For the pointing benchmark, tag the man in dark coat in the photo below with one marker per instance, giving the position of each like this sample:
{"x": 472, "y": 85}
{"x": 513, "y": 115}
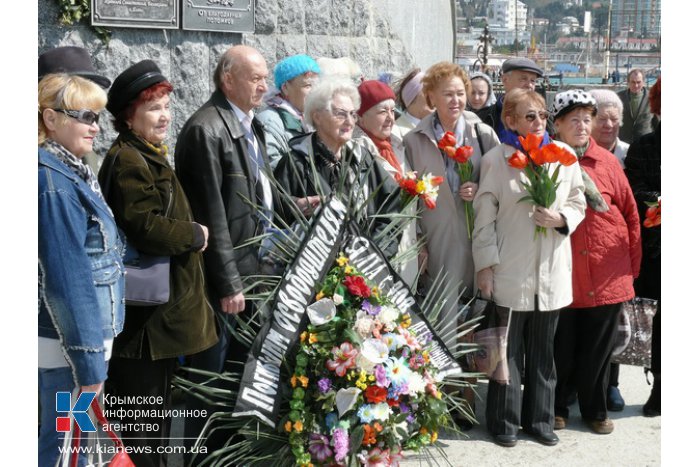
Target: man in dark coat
{"x": 519, "y": 72}
{"x": 636, "y": 118}
{"x": 222, "y": 164}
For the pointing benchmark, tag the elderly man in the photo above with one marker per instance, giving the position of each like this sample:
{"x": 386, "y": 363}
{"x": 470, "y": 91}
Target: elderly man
{"x": 607, "y": 122}
{"x": 636, "y": 116}
{"x": 283, "y": 116}
{"x": 519, "y": 72}
{"x": 223, "y": 167}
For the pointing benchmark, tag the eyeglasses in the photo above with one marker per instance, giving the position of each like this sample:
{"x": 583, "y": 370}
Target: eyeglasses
{"x": 531, "y": 116}
{"x": 85, "y": 116}
{"x": 341, "y": 114}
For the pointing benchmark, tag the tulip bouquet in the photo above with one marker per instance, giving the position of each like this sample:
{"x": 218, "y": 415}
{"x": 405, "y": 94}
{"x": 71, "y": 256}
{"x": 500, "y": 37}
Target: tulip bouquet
{"x": 653, "y": 214}
{"x": 363, "y": 388}
{"x": 461, "y": 155}
{"x": 425, "y": 187}
{"x": 535, "y": 161}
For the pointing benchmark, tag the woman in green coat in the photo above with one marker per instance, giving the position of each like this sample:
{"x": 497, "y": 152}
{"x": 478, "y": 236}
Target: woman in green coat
{"x": 151, "y": 208}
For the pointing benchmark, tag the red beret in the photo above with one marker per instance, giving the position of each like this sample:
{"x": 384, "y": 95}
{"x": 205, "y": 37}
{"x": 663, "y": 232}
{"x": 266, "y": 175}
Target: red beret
{"x": 372, "y": 92}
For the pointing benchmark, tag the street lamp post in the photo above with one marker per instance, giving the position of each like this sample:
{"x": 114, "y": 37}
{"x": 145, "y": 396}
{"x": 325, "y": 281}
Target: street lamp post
{"x": 606, "y": 60}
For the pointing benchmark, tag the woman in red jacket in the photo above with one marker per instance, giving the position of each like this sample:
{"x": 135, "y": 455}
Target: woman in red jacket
{"x": 606, "y": 250}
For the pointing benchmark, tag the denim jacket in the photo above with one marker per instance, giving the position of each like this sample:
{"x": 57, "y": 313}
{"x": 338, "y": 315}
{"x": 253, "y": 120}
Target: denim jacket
{"x": 81, "y": 275}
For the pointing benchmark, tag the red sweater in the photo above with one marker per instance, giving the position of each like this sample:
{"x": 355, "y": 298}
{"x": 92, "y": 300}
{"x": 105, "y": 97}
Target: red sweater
{"x": 606, "y": 246}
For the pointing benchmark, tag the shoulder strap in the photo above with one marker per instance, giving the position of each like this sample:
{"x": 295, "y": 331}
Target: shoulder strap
{"x": 478, "y": 137}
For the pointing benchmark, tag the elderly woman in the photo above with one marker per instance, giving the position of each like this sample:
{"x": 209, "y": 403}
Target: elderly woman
{"x": 411, "y": 99}
{"x": 606, "y": 256}
{"x": 607, "y": 123}
{"x": 328, "y": 161}
{"x": 375, "y": 125}
{"x": 644, "y": 174}
{"x": 445, "y": 86}
{"x": 532, "y": 276}
{"x": 283, "y": 115}
{"x": 151, "y": 208}
{"x": 81, "y": 276}
{"x": 481, "y": 94}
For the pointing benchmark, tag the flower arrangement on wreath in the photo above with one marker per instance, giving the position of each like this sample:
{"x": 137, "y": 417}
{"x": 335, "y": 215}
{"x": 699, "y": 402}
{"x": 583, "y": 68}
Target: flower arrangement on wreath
{"x": 652, "y": 216}
{"x": 535, "y": 161}
{"x": 364, "y": 390}
{"x": 461, "y": 155}
{"x": 425, "y": 187}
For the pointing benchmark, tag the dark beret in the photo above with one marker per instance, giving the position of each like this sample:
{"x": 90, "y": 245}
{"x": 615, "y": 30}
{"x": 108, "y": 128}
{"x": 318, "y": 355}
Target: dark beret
{"x": 129, "y": 84}
{"x": 522, "y": 63}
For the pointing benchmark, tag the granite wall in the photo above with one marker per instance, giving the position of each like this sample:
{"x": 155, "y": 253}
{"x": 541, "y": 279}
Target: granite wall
{"x": 380, "y": 35}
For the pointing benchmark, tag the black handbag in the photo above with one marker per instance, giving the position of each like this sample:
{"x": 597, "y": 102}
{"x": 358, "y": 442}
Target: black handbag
{"x": 491, "y": 336}
{"x": 147, "y": 276}
{"x": 633, "y": 340}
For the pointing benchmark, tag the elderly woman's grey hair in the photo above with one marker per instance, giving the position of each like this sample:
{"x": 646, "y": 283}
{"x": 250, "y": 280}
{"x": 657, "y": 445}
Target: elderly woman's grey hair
{"x": 607, "y": 98}
{"x": 323, "y": 93}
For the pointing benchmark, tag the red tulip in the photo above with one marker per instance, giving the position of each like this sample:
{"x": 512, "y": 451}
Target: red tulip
{"x": 518, "y": 160}
{"x": 435, "y": 181}
{"x": 429, "y": 202}
{"x": 463, "y": 154}
{"x": 538, "y": 156}
{"x": 409, "y": 185}
{"x": 450, "y": 151}
{"x": 530, "y": 142}
{"x": 447, "y": 140}
{"x": 653, "y": 216}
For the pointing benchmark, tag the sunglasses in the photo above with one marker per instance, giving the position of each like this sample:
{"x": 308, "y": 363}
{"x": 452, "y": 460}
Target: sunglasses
{"x": 85, "y": 116}
{"x": 531, "y": 116}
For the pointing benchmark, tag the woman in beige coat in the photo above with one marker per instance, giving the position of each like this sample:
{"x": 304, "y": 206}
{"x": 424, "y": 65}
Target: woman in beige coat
{"x": 531, "y": 275}
{"x": 445, "y": 230}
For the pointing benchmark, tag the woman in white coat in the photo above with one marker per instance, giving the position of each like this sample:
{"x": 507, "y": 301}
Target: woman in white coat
{"x": 530, "y": 274}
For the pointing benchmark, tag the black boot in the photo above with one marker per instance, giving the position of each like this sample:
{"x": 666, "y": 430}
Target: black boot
{"x": 652, "y": 408}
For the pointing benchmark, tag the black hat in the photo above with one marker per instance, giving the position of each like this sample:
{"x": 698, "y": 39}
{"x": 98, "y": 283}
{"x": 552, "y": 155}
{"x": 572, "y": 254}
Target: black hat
{"x": 522, "y": 63}
{"x": 130, "y": 83}
{"x": 70, "y": 60}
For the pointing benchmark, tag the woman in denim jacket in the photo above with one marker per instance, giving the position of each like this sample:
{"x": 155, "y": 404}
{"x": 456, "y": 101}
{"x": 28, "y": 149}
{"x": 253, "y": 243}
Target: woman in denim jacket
{"x": 81, "y": 276}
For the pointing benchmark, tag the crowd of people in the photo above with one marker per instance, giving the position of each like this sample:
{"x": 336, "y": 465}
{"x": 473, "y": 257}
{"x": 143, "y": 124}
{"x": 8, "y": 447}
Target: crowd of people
{"x": 254, "y": 156}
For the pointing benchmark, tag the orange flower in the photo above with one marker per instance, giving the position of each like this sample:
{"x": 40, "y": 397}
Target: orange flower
{"x": 538, "y": 156}
{"x": 555, "y": 153}
{"x": 435, "y": 181}
{"x": 531, "y": 142}
{"x": 377, "y": 427}
{"x": 653, "y": 216}
{"x": 370, "y": 435}
{"x": 518, "y": 160}
{"x": 447, "y": 140}
{"x": 288, "y": 426}
{"x": 304, "y": 381}
{"x": 298, "y": 426}
{"x": 450, "y": 151}
{"x": 463, "y": 153}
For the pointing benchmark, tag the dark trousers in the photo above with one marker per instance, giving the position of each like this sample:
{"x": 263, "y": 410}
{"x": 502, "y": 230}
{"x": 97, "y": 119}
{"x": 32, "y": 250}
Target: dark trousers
{"x": 148, "y": 380}
{"x": 228, "y": 354}
{"x": 614, "y": 379}
{"x": 531, "y": 334}
{"x": 582, "y": 350}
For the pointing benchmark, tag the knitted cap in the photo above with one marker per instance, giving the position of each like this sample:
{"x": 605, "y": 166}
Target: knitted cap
{"x": 293, "y": 66}
{"x": 566, "y": 101}
{"x": 372, "y": 92}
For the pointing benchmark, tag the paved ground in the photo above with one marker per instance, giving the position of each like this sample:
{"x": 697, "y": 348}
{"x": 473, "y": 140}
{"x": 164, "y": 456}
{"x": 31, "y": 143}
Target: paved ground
{"x": 636, "y": 441}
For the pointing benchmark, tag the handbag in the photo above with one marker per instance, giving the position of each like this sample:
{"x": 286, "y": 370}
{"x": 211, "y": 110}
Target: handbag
{"x": 491, "y": 337}
{"x": 147, "y": 276}
{"x": 93, "y": 451}
{"x": 634, "y": 329}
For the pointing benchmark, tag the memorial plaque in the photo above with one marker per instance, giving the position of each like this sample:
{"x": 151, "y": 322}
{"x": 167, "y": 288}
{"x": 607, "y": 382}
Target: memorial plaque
{"x": 219, "y": 15}
{"x": 158, "y": 14}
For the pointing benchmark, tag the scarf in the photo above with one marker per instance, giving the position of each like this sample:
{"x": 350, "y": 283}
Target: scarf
{"x": 450, "y": 165}
{"x": 510, "y": 138}
{"x": 387, "y": 153}
{"x": 593, "y": 197}
{"x": 278, "y": 101}
{"x": 160, "y": 149}
{"x": 77, "y": 166}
